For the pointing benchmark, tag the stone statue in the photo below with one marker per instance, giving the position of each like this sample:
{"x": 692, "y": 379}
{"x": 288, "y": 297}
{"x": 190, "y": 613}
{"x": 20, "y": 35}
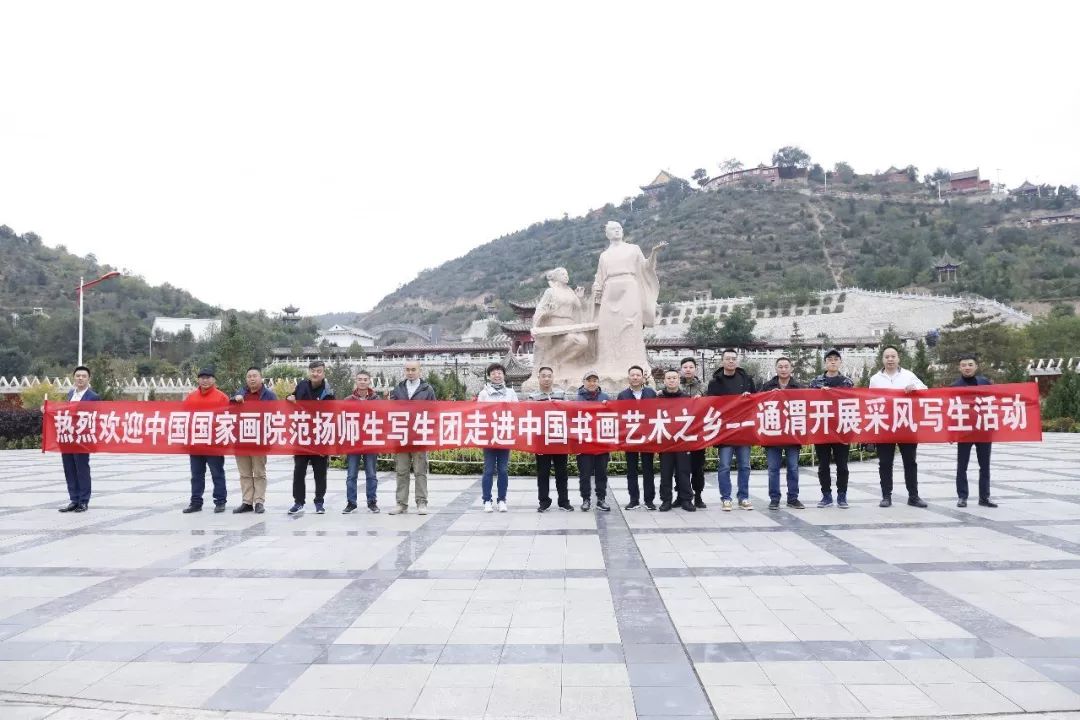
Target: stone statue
{"x": 624, "y": 295}
{"x": 563, "y": 339}
{"x": 606, "y": 335}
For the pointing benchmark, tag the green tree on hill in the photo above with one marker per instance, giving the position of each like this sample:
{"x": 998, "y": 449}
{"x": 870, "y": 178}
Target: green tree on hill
{"x": 791, "y": 156}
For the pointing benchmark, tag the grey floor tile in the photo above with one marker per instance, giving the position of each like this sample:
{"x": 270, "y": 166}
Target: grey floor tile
{"x": 780, "y": 651}
{"x": 840, "y": 650}
{"x": 176, "y": 652}
{"x": 531, "y": 654}
{"x": 597, "y": 653}
{"x": 353, "y": 654}
{"x": 719, "y": 652}
{"x": 965, "y": 648}
{"x": 288, "y": 654}
{"x": 234, "y": 652}
{"x": 661, "y": 701}
{"x": 118, "y": 651}
{"x": 1058, "y": 669}
{"x": 662, "y": 675}
{"x": 654, "y": 653}
{"x": 410, "y": 654}
{"x": 903, "y": 650}
{"x": 471, "y": 655}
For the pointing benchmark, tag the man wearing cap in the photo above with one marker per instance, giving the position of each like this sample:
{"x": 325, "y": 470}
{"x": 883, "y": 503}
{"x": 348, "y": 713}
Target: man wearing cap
{"x": 832, "y": 452}
{"x": 692, "y": 386}
{"x": 314, "y": 388}
{"x": 77, "y": 465}
{"x": 206, "y": 397}
{"x": 252, "y": 468}
{"x": 590, "y": 466}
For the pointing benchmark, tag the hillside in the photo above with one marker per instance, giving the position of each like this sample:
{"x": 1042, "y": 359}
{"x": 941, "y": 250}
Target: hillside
{"x": 119, "y": 313}
{"x": 769, "y": 243}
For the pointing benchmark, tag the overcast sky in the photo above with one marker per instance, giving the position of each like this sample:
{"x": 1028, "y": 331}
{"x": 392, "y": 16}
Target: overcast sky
{"x": 262, "y": 153}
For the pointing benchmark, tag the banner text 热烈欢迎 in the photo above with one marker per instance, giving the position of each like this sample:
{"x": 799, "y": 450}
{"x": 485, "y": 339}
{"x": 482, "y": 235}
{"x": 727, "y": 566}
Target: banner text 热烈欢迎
{"x": 999, "y": 413}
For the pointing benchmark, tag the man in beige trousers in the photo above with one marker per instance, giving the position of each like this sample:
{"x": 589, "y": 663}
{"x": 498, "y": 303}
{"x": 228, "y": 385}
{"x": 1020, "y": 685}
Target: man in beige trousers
{"x": 411, "y": 388}
{"x": 252, "y": 468}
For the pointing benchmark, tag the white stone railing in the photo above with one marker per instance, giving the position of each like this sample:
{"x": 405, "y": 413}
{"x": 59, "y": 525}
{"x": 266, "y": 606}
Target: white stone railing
{"x": 1053, "y": 366}
{"x": 130, "y": 386}
{"x": 694, "y": 305}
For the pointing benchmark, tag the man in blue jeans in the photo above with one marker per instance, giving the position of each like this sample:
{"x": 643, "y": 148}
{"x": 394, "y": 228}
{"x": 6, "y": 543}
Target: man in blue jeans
{"x": 206, "y": 397}
{"x": 362, "y": 392}
{"x": 496, "y": 460}
{"x": 783, "y": 454}
{"x": 730, "y": 379}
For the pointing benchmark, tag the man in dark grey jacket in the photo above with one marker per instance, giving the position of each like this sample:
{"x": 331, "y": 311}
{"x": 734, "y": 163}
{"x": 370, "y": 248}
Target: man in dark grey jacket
{"x": 411, "y": 388}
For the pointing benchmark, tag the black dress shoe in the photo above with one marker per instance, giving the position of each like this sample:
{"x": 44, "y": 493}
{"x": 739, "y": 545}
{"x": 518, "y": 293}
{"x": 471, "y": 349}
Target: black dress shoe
{"x": 688, "y": 506}
{"x": 796, "y": 503}
{"x": 192, "y": 508}
{"x": 699, "y": 503}
{"x": 602, "y": 505}
{"x": 987, "y": 502}
{"x": 242, "y": 508}
{"x": 260, "y": 508}
{"x": 962, "y": 502}
{"x": 885, "y": 502}
{"x": 219, "y": 508}
{"x": 83, "y": 508}
{"x": 916, "y": 502}
{"x": 69, "y": 507}
{"x": 665, "y": 506}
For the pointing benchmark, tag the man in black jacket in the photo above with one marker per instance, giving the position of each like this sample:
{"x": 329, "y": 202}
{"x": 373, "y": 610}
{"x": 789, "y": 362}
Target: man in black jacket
{"x": 634, "y": 460}
{"x": 828, "y": 453}
{"x": 788, "y": 455}
{"x": 969, "y": 377}
{"x": 411, "y": 388}
{"x": 314, "y": 388}
{"x": 692, "y": 386}
{"x": 674, "y": 465}
{"x": 730, "y": 379}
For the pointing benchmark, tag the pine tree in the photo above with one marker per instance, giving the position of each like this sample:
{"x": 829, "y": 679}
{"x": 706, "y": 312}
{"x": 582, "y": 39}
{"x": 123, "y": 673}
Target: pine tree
{"x": 800, "y": 354}
{"x": 233, "y": 352}
{"x": 921, "y": 365}
{"x": 1064, "y": 397}
{"x": 891, "y": 337}
{"x": 864, "y": 379}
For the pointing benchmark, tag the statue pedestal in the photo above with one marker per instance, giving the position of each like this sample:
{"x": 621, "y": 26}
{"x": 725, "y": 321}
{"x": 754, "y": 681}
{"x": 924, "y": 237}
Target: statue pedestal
{"x": 568, "y": 371}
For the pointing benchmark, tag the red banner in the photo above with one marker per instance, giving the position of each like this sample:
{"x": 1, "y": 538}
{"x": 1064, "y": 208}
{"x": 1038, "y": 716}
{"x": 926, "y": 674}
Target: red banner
{"x": 998, "y": 413}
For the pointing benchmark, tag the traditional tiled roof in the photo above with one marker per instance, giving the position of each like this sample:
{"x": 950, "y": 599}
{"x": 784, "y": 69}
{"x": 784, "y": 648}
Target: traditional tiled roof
{"x": 515, "y": 327}
{"x": 946, "y": 260}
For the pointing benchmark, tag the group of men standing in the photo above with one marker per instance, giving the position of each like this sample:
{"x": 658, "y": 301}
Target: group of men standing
{"x": 682, "y": 473}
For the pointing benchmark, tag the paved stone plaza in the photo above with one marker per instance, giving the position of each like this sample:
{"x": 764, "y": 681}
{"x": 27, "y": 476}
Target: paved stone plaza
{"x": 814, "y": 613}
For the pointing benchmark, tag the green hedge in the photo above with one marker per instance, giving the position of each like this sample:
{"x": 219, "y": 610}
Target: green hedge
{"x": 1061, "y": 424}
{"x": 470, "y": 461}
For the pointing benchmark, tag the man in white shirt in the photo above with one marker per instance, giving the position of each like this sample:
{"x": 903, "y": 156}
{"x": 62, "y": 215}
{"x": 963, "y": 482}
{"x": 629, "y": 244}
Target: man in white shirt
{"x": 895, "y": 377}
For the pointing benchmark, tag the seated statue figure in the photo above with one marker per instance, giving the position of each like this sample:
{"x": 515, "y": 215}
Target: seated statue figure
{"x": 563, "y": 337}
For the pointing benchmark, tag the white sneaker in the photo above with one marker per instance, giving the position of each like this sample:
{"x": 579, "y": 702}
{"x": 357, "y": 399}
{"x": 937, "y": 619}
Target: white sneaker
{"x": 487, "y": 507}
{"x": 421, "y": 508}
{"x": 502, "y": 506}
